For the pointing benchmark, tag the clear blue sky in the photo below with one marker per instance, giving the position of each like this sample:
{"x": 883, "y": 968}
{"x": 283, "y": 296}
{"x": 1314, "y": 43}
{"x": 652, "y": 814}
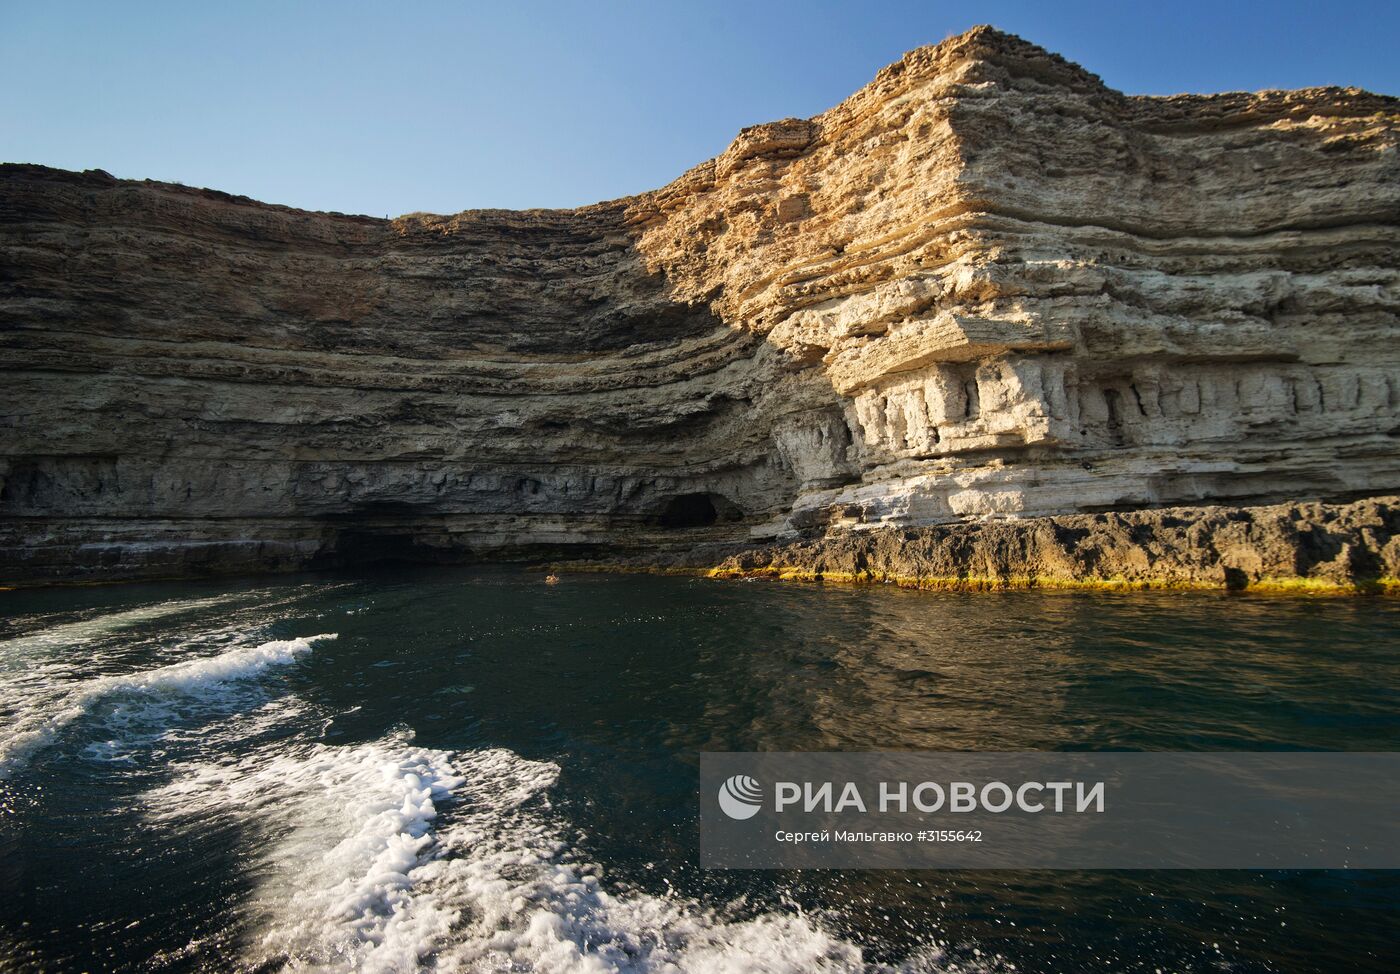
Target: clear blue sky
{"x": 393, "y": 107}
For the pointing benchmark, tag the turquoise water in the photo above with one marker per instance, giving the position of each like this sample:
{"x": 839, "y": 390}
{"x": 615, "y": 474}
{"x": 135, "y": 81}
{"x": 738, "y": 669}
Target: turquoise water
{"x": 482, "y": 772}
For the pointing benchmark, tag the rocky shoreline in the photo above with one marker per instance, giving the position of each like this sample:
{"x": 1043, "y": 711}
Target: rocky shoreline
{"x": 1307, "y": 548}
{"x": 1310, "y": 548}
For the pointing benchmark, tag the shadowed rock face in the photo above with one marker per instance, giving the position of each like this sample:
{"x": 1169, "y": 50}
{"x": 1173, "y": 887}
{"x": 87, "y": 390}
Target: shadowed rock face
{"x": 196, "y": 382}
{"x": 984, "y": 285}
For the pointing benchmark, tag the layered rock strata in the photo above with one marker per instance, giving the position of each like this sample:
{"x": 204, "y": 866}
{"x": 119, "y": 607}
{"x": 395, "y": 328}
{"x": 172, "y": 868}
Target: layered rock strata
{"x": 985, "y": 287}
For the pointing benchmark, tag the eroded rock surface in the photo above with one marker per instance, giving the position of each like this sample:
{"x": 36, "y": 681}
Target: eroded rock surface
{"x": 985, "y": 286}
{"x": 1289, "y": 547}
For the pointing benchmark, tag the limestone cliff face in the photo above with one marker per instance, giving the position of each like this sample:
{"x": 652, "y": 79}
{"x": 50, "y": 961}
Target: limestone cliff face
{"x": 984, "y": 285}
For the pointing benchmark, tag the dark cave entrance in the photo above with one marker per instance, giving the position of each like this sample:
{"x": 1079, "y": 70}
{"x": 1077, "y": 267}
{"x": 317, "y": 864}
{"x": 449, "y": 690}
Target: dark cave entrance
{"x": 689, "y": 511}
{"x": 386, "y": 545}
{"x": 696, "y": 511}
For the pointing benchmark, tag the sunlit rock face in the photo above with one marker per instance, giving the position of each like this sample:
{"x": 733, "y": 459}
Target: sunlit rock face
{"x": 984, "y": 285}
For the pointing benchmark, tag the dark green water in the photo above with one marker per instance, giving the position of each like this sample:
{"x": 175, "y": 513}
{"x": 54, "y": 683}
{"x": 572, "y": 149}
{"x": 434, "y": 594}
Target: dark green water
{"x": 481, "y": 772}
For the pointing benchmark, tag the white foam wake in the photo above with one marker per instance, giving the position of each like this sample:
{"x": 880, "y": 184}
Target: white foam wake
{"x": 387, "y": 857}
{"x": 69, "y": 635}
{"x": 51, "y": 706}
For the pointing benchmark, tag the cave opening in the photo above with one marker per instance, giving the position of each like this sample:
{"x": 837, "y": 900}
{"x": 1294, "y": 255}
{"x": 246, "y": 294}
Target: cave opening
{"x": 689, "y": 511}
{"x": 383, "y": 546}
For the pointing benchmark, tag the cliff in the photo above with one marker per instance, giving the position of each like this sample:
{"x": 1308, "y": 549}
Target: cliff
{"x": 985, "y": 287}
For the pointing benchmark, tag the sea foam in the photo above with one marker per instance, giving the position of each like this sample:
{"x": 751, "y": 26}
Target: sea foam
{"x": 44, "y": 708}
{"x": 389, "y": 857}
{"x": 81, "y": 632}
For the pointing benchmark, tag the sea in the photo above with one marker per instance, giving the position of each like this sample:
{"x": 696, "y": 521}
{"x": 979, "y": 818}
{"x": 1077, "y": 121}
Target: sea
{"x": 467, "y": 769}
